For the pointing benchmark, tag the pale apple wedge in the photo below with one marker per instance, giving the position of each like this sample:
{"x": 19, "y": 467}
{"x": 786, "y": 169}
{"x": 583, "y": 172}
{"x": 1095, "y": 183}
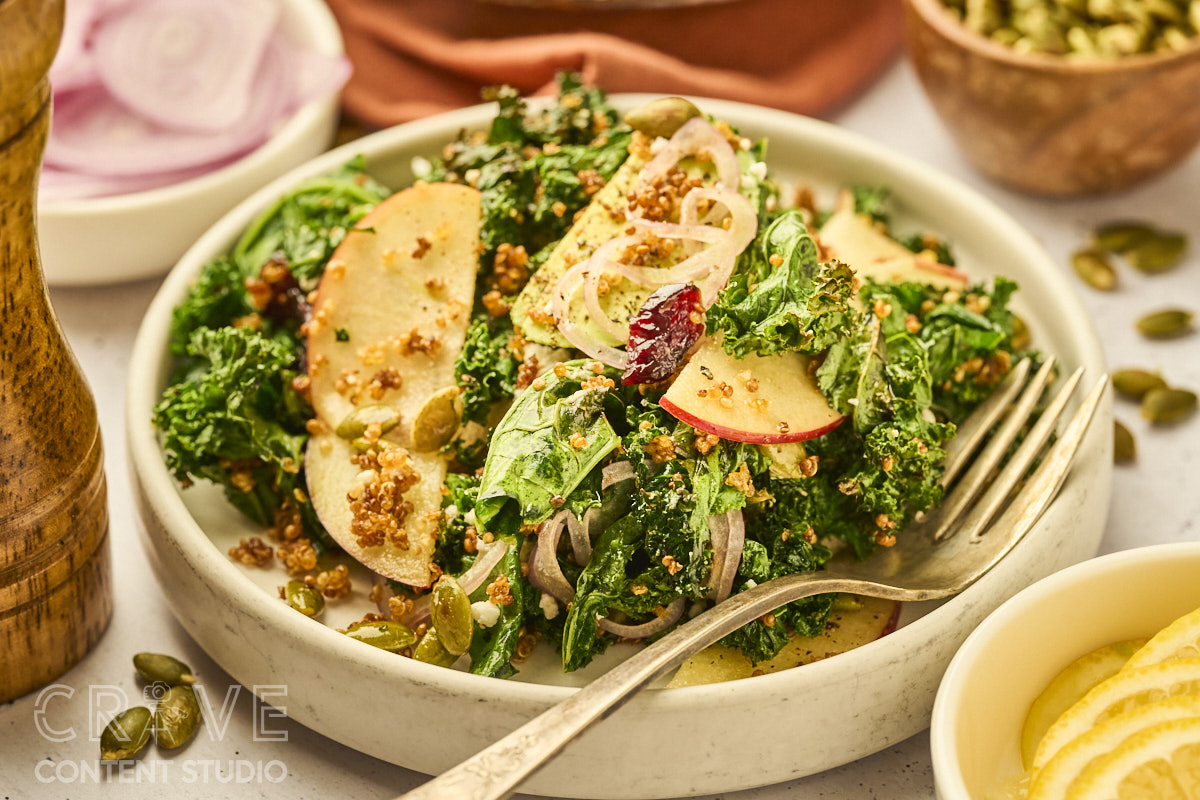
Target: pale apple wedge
{"x": 852, "y": 239}
{"x": 389, "y": 319}
{"x": 713, "y": 393}
{"x": 864, "y": 620}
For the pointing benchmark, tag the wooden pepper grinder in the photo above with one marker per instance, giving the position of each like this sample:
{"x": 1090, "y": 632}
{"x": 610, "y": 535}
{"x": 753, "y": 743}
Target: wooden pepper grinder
{"x": 55, "y": 589}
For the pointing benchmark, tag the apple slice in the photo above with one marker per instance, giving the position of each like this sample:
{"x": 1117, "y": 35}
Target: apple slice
{"x": 390, "y": 317}
{"x": 852, "y": 239}
{"x": 867, "y": 619}
{"x": 785, "y": 406}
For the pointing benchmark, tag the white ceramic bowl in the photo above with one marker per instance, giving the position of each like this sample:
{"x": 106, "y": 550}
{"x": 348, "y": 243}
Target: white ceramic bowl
{"x": 665, "y": 743}
{"x": 1010, "y": 658}
{"x": 99, "y": 240}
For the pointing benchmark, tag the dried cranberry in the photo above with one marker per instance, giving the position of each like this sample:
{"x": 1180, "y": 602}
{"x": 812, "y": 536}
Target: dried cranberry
{"x": 661, "y": 334}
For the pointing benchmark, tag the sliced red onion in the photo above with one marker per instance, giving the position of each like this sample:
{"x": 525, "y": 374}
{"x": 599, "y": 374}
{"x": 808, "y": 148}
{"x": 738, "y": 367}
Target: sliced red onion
{"x": 420, "y": 613}
{"x": 544, "y": 570}
{"x": 669, "y": 617}
{"x": 615, "y": 473}
{"x": 73, "y": 64}
{"x": 728, "y": 533}
{"x": 485, "y": 562}
{"x": 58, "y": 184}
{"x": 709, "y": 234}
{"x": 695, "y": 136}
{"x": 581, "y": 544}
{"x": 591, "y": 300}
{"x": 564, "y": 290}
{"x": 95, "y": 134}
{"x": 186, "y": 64}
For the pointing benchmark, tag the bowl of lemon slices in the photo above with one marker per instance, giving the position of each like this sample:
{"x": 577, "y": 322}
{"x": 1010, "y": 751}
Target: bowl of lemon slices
{"x": 1085, "y": 686}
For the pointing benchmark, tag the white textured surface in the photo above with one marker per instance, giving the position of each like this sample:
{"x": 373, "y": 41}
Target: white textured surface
{"x": 1154, "y": 501}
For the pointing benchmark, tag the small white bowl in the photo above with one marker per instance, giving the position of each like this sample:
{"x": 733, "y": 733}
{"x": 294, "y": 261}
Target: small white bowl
{"x": 1009, "y": 659}
{"x": 99, "y": 240}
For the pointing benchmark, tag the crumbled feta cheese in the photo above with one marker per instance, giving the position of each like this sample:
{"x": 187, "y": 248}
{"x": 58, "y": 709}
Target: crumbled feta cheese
{"x": 451, "y": 512}
{"x": 751, "y": 583}
{"x": 549, "y": 606}
{"x": 469, "y": 518}
{"x": 745, "y": 144}
{"x": 747, "y": 182}
{"x": 759, "y": 170}
{"x": 421, "y": 167}
{"x": 485, "y": 613}
{"x": 658, "y": 144}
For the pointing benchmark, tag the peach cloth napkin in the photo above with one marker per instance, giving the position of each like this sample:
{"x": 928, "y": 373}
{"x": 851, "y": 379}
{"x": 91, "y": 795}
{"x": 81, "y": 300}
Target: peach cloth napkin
{"x": 413, "y": 58}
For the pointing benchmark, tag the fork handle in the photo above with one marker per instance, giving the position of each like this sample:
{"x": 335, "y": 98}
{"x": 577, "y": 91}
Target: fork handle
{"x": 495, "y": 772}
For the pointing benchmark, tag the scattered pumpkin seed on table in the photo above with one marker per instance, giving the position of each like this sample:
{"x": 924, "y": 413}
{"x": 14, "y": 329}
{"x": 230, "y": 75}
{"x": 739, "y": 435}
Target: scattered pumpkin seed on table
{"x": 1094, "y": 269}
{"x": 176, "y": 717}
{"x": 1118, "y": 237}
{"x": 1124, "y": 446}
{"x": 1165, "y": 406}
{"x": 126, "y": 734}
{"x": 159, "y": 668}
{"x": 1166, "y": 324}
{"x": 1160, "y": 253}
{"x": 1134, "y": 383}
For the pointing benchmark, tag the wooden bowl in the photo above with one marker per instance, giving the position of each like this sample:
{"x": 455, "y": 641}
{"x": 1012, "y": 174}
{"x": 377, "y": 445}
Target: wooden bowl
{"x": 1050, "y": 125}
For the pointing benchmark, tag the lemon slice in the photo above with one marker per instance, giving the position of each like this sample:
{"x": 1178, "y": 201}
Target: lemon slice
{"x": 1068, "y": 687}
{"x": 1161, "y": 762}
{"x": 1125, "y": 691}
{"x": 1180, "y": 639}
{"x": 1054, "y": 779}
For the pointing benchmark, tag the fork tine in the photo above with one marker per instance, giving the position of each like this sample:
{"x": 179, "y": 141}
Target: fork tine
{"x": 1032, "y": 500}
{"x": 972, "y": 483}
{"x": 970, "y": 434}
{"x": 1017, "y": 467}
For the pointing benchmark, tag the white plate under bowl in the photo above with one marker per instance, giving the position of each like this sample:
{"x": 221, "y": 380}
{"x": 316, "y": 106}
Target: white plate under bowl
{"x": 1009, "y": 659}
{"x": 99, "y": 240}
{"x": 665, "y": 743}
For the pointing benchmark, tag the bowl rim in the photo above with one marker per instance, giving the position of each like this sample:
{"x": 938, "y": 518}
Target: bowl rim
{"x": 321, "y": 26}
{"x": 935, "y": 14}
{"x": 149, "y": 356}
{"x": 943, "y": 742}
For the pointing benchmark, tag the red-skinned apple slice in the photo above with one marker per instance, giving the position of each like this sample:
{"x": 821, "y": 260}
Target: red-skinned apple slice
{"x": 852, "y": 239}
{"x": 785, "y": 406}
{"x": 389, "y": 319}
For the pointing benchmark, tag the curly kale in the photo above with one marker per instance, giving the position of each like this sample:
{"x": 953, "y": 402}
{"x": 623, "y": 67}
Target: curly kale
{"x": 533, "y": 167}
{"x": 782, "y": 299}
{"x": 486, "y": 369}
{"x": 235, "y": 420}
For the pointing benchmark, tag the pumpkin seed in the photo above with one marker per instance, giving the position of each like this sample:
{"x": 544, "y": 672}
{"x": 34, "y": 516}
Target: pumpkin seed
{"x": 1159, "y": 253}
{"x": 126, "y": 734}
{"x": 1166, "y": 324}
{"x": 390, "y": 636}
{"x": 1118, "y": 237}
{"x": 305, "y": 599}
{"x": 159, "y": 668}
{"x": 437, "y": 421}
{"x": 363, "y": 445}
{"x": 176, "y": 717}
{"x": 1124, "y": 446}
{"x": 1093, "y": 268}
{"x": 662, "y": 117}
{"x": 1021, "y": 337}
{"x": 1164, "y": 406}
{"x": 431, "y": 651}
{"x": 450, "y": 614}
{"x": 356, "y": 422}
{"x": 1135, "y": 383}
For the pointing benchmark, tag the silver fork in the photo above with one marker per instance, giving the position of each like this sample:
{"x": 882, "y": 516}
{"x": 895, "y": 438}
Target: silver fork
{"x": 925, "y": 564}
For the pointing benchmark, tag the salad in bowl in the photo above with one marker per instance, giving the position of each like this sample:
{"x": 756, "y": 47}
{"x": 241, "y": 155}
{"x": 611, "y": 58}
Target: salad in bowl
{"x": 584, "y": 378}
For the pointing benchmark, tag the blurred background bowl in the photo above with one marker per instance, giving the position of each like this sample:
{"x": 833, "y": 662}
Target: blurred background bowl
{"x": 142, "y": 234}
{"x": 1009, "y": 659}
{"x": 1050, "y": 125}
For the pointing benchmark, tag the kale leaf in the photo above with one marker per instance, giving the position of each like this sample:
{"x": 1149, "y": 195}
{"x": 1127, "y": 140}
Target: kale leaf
{"x": 547, "y": 443}
{"x": 492, "y": 648}
{"x": 486, "y": 370}
{"x": 235, "y": 420}
{"x": 782, "y": 299}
